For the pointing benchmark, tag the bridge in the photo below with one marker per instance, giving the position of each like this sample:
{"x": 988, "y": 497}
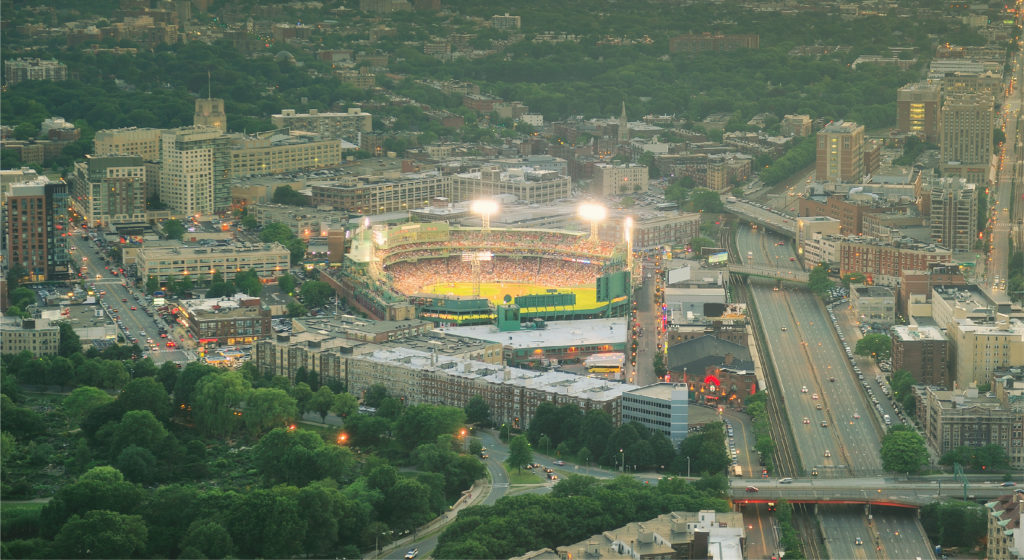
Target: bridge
{"x": 868, "y": 491}
{"x": 762, "y": 215}
{"x": 768, "y": 272}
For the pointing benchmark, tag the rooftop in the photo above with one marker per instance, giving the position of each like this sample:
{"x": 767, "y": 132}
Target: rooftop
{"x": 557, "y": 334}
{"x": 912, "y": 333}
{"x": 661, "y": 391}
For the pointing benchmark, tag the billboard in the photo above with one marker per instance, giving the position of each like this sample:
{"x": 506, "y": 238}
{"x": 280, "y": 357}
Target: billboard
{"x": 718, "y": 258}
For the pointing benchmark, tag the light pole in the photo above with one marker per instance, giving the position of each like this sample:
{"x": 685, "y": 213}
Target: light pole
{"x": 628, "y": 231}
{"x": 687, "y": 467}
{"x": 623, "y": 452}
{"x": 595, "y": 214}
{"x": 485, "y": 208}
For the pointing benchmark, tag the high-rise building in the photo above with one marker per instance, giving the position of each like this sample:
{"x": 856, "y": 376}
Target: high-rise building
{"x": 965, "y": 136}
{"x": 840, "y": 154}
{"x": 195, "y": 164}
{"x": 142, "y": 142}
{"x": 24, "y": 69}
{"x": 917, "y": 110}
{"x": 109, "y": 189}
{"x": 954, "y": 214}
{"x": 37, "y": 230}
{"x": 924, "y": 352}
{"x": 210, "y": 112}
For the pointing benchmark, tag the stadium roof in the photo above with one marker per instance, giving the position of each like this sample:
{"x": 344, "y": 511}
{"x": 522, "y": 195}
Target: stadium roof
{"x": 584, "y": 332}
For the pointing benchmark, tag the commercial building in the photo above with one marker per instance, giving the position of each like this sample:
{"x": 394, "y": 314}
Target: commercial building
{"x": 305, "y": 222}
{"x": 142, "y": 142}
{"x": 917, "y": 110}
{"x": 984, "y": 347}
{"x": 810, "y": 227}
{"x": 875, "y": 305}
{"x": 38, "y": 336}
{"x": 379, "y": 195}
{"x": 25, "y": 69}
{"x": 348, "y": 125}
{"x": 1005, "y": 527}
{"x": 612, "y": 180}
{"x": 653, "y": 229}
{"x": 954, "y": 214}
{"x": 276, "y": 152}
{"x": 109, "y": 190}
{"x": 950, "y": 419}
{"x": 238, "y": 319}
{"x": 884, "y": 262}
{"x": 270, "y": 260}
{"x": 680, "y": 534}
{"x": 661, "y": 407}
{"x": 923, "y": 351}
{"x": 840, "y": 153}
{"x": 529, "y": 185}
{"x": 965, "y": 136}
{"x": 194, "y": 167}
{"x": 37, "y": 230}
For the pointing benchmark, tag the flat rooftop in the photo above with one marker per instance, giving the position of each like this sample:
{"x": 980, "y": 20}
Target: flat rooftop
{"x": 585, "y": 332}
{"x": 911, "y": 333}
{"x": 662, "y": 391}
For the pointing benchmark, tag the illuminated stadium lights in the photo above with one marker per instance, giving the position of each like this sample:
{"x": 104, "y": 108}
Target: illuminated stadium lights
{"x": 595, "y": 214}
{"x": 485, "y": 208}
{"x": 627, "y": 230}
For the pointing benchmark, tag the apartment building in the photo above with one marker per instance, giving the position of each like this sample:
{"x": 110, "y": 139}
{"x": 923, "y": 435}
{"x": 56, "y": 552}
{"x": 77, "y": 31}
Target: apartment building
{"x": 142, "y": 142}
{"x": 884, "y": 262}
{"x": 506, "y": 22}
{"x": 270, "y": 260}
{"x": 38, "y": 336}
{"x": 276, "y": 152}
{"x": 533, "y": 186}
{"x": 950, "y": 419}
{"x": 348, "y": 125}
{"x": 193, "y": 165}
{"x": 25, "y": 69}
{"x": 984, "y": 347}
{"x": 917, "y": 110}
{"x": 379, "y": 195}
{"x": 954, "y": 214}
{"x": 924, "y": 351}
{"x": 613, "y": 180}
{"x": 36, "y": 229}
{"x": 965, "y": 136}
{"x": 699, "y": 42}
{"x": 109, "y": 190}
{"x": 840, "y": 153}
{"x": 1005, "y": 527}
{"x": 796, "y": 125}
{"x": 850, "y": 213}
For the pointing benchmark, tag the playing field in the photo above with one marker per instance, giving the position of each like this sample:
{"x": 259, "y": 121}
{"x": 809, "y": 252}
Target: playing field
{"x": 586, "y": 298}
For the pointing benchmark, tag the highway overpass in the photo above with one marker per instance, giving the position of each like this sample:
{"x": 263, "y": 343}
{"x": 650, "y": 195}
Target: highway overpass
{"x": 860, "y": 490}
{"x": 788, "y": 275}
{"x": 762, "y": 215}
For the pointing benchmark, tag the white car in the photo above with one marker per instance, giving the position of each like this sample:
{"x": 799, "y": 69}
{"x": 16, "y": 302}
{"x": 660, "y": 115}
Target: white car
{"x": 803, "y": 389}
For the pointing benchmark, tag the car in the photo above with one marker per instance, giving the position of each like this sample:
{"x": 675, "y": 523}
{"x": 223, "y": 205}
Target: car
{"x": 824, "y": 423}
{"x": 792, "y": 259}
{"x": 828, "y": 453}
{"x": 1008, "y": 484}
{"x": 803, "y": 389}
{"x": 832, "y": 379}
{"x": 814, "y": 472}
{"x": 752, "y": 489}
{"x": 124, "y": 299}
{"x": 483, "y": 455}
{"x": 786, "y": 480}
{"x": 807, "y": 420}
{"x": 858, "y": 541}
{"x": 134, "y": 308}
{"x": 856, "y": 416}
{"x": 560, "y": 463}
{"x": 814, "y": 396}
{"x": 412, "y": 553}
{"x": 548, "y": 470}
{"x": 784, "y": 329}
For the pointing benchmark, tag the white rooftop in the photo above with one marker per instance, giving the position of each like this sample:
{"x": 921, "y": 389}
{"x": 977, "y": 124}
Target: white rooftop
{"x": 557, "y": 333}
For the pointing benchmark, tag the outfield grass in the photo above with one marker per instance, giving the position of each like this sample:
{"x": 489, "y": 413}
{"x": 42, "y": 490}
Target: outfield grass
{"x": 586, "y": 297}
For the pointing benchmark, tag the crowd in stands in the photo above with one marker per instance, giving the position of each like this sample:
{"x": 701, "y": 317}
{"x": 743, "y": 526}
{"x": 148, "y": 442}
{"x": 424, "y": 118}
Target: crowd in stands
{"x": 503, "y": 242}
{"x": 411, "y": 277}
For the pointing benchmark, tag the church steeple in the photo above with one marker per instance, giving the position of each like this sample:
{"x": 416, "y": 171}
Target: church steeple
{"x": 623, "y": 125}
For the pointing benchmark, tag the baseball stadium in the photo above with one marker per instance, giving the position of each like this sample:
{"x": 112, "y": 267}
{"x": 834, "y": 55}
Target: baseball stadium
{"x": 457, "y": 276}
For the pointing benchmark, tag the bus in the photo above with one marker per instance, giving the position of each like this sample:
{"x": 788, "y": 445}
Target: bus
{"x": 737, "y": 471}
{"x": 610, "y": 362}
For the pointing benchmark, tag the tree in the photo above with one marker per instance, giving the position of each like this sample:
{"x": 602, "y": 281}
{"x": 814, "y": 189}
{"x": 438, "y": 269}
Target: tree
{"x": 208, "y": 539}
{"x": 146, "y": 393}
{"x": 82, "y": 401}
{"x": 374, "y": 395}
{"x": 248, "y": 282}
{"x": 69, "y": 342}
{"x": 268, "y": 408}
{"x": 818, "y": 280}
{"x": 287, "y": 195}
{"x": 22, "y": 297}
{"x": 478, "y": 411}
{"x": 901, "y": 383}
{"x": 152, "y": 284}
{"x": 218, "y": 398}
{"x": 302, "y": 393}
{"x": 322, "y": 401}
{"x": 853, "y": 278}
{"x": 102, "y": 534}
{"x": 137, "y": 427}
{"x": 99, "y": 488}
{"x": 173, "y": 229}
{"x": 704, "y": 200}
{"x": 698, "y": 243}
{"x": 296, "y": 309}
{"x": 287, "y": 283}
{"x": 954, "y": 523}
{"x": 903, "y": 451}
{"x": 345, "y": 405}
{"x": 519, "y": 453}
{"x": 876, "y": 345}
{"x": 316, "y": 293}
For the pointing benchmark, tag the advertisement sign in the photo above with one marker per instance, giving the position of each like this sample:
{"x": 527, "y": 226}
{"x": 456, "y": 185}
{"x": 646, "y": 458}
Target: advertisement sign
{"x": 718, "y": 258}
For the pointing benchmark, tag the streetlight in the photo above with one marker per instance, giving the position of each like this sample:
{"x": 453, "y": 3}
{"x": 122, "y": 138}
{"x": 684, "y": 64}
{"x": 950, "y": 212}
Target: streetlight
{"x": 687, "y": 467}
{"x": 595, "y": 214}
{"x": 623, "y": 451}
{"x": 627, "y": 230}
{"x": 485, "y": 208}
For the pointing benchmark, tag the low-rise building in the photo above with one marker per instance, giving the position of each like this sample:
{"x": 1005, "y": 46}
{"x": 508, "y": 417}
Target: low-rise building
{"x": 380, "y": 195}
{"x": 25, "y": 69}
{"x": 796, "y": 125}
{"x": 924, "y": 352}
{"x": 348, "y": 125}
{"x": 662, "y": 407}
{"x": 884, "y": 262}
{"x": 809, "y": 227}
{"x": 1005, "y": 527}
{"x": 984, "y": 347}
{"x": 304, "y": 222}
{"x": 951, "y": 419}
{"x": 276, "y": 153}
{"x": 875, "y": 305}
{"x": 529, "y": 185}
{"x": 269, "y": 260}
{"x": 38, "y": 336}
{"x": 235, "y": 320}
{"x": 613, "y": 180}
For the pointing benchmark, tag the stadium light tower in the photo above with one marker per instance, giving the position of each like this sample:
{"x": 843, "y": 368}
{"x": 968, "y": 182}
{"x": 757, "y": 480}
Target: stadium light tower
{"x": 595, "y": 214}
{"x": 627, "y": 230}
{"x": 485, "y": 208}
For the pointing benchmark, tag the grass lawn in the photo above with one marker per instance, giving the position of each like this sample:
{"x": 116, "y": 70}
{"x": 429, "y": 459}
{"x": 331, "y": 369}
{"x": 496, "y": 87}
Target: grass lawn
{"x": 11, "y": 509}
{"x": 524, "y": 477}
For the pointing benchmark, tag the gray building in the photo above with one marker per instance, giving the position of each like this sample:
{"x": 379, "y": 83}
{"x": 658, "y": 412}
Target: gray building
{"x": 874, "y": 304}
{"x": 662, "y": 407}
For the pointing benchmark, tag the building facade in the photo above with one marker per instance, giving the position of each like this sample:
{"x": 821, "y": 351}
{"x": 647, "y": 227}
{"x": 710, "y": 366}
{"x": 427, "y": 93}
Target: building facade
{"x": 951, "y": 419}
{"x": 796, "y": 125}
{"x": 269, "y": 260}
{"x": 712, "y": 42}
{"x": 25, "y": 69}
{"x": 840, "y": 153}
{"x": 965, "y": 136}
{"x": 884, "y": 262}
{"x": 613, "y": 180}
{"x": 917, "y": 110}
{"x": 875, "y": 305}
{"x": 279, "y": 153}
{"x": 1005, "y": 527}
{"x": 305, "y": 222}
{"x": 142, "y": 142}
{"x": 210, "y": 112}
{"x": 235, "y": 320}
{"x": 954, "y": 214}
{"x": 662, "y": 407}
{"x": 37, "y": 229}
{"x": 984, "y": 347}
{"x": 38, "y": 336}
{"x": 924, "y": 352}
{"x": 195, "y": 165}
{"x": 349, "y": 124}
{"x": 528, "y": 185}
{"x": 376, "y": 195}
{"x": 108, "y": 190}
